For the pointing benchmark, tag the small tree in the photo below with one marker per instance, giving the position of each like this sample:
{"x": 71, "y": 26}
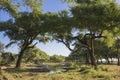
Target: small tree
{"x": 7, "y": 58}
{"x": 57, "y": 58}
{"x": 35, "y": 54}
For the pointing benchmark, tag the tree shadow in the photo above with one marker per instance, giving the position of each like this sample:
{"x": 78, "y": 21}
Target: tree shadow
{"x": 14, "y": 70}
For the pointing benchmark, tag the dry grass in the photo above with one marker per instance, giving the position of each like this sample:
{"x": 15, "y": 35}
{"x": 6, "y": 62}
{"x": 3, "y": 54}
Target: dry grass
{"x": 104, "y": 72}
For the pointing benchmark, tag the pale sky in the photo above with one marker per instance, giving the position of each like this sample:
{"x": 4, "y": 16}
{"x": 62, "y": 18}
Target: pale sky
{"x": 50, "y": 48}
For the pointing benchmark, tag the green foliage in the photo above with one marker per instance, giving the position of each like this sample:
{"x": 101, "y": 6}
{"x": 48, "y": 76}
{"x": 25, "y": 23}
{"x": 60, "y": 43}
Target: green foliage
{"x": 35, "y": 5}
{"x": 89, "y": 73}
{"x": 57, "y": 58}
{"x": 8, "y": 6}
{"x": 77, "y": 56}
{"x": 110, "y": 38}
{"x": 99, "y": 15}
{"x": 7, "y": 58}
{"x": 35, "y": 54}
{"x": 1, "y": 47}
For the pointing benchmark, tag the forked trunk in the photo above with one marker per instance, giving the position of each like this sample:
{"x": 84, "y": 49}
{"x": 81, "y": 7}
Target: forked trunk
{"x": 91, "y": 51}
{"x": 92, "y": 58}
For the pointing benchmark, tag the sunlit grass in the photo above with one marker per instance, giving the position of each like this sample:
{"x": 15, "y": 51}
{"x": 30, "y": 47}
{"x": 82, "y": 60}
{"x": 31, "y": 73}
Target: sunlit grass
{"x": 103, "y": 72}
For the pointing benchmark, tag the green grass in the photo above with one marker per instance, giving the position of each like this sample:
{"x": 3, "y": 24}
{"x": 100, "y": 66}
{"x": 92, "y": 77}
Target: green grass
{"x": 103, "y": 72}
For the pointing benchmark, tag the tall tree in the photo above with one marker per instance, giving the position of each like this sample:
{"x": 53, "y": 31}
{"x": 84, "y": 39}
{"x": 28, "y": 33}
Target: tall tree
{"x": 25, "y": 28}
{"x": 24, "y": 31}
{"x": 88, "y": 20}
{"x": 95, "y": 17}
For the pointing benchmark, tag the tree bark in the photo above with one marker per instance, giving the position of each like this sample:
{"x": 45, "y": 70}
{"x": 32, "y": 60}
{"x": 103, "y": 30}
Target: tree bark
{"x": 111, "y": 60}
{"x": 18, "y": 63}
{"x": 91, "y": 51}
{"x": 108, "y": 62}
{"x": 118, "y": 61}
{"x": 19, "y": 60}
{"x": 92, "y": 58}
{"x": 118, "y": 56}
{"x": 101, "y": 61}
{"x": 97, "y": 61}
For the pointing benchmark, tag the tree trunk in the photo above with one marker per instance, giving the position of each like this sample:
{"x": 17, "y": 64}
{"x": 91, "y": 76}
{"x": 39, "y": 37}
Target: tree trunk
{"x": 101, "y": 61}
{"x": 118, "y": 57}
{"x": 92, "y": 58}
{"x": 18, "y": 63}
{"x": 111, "y": 60}
{"x": 118, "y": 61}
{"x": 91, "y": 51}
{"x": 107, "y": 59}
{"x": 97, "y": 61}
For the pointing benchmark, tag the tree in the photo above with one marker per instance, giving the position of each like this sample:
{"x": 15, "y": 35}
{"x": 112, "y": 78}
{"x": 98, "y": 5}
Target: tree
{"x": 35, "y": 54}
{"x": 93, "y": 17}
{"x": 80, "y": 55}
{"x": 26, "y": 28}
{"x": 89, "y": 20}
{"x": 57, "y": 58}
{"x": 102, "y": 51}
{"x": 24, "y": 31}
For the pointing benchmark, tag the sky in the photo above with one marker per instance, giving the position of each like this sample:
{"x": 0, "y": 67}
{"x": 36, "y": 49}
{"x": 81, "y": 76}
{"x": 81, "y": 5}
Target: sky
{"x": 50, "y": 48}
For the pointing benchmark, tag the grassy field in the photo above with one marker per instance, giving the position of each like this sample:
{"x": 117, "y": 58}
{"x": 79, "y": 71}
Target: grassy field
{"x": 103, "y": 72}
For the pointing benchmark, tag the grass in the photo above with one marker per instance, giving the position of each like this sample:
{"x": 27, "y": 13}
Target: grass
{"x": 104, "y": 72}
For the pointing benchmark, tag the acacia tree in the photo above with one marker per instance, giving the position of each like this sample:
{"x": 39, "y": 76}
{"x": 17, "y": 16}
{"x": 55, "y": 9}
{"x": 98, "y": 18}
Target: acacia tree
{"x": 95, "y": 17}
{"x": 89, "y": 20}
{"x": 26, "y": 28}
{"x": 24, "y": 31}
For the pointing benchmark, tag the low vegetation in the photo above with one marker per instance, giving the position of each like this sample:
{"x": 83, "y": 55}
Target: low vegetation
{"x": 104, "y": 72}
